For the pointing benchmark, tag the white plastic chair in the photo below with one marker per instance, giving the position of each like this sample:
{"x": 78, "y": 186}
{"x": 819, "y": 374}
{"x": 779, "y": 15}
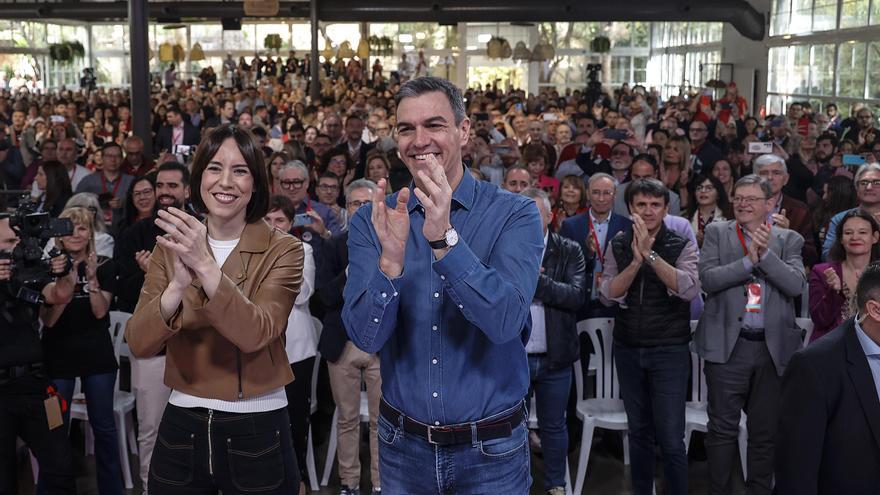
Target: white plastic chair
{"x": 123, "y": 406}
{"x": 697, "y": 419}
{"x": 606, "y": 410}
{"x": 806, "y": 324}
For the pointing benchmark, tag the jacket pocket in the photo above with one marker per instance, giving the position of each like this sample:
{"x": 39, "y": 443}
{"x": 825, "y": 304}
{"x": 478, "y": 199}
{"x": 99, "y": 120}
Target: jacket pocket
{"x": 256, "y": 463}
{"x": 172, "y": 462}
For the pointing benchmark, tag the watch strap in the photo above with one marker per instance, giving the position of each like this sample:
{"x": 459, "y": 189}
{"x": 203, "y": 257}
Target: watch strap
{"x": 441, "y": 244}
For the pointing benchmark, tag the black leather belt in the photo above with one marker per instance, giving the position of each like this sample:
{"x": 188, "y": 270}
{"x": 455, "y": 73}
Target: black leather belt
{"x": 454, "y": 434}
{"x": 20, "y": 371}
{"x": 752, "y": 334}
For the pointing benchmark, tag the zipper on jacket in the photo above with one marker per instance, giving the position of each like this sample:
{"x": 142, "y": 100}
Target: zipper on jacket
{"x": 210, "y": 449}
{"x": 238, "y": 366}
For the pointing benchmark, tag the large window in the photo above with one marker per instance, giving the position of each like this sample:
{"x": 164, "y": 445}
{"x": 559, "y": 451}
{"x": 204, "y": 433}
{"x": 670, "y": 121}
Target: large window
{"x": 851, "y": 70}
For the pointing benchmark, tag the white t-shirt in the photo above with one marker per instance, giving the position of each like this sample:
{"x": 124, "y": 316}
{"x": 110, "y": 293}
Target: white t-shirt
{"x": 270, "y": 401}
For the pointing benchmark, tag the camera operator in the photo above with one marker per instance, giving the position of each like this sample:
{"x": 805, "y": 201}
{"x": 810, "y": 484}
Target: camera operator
{"x": 24, "y": 409}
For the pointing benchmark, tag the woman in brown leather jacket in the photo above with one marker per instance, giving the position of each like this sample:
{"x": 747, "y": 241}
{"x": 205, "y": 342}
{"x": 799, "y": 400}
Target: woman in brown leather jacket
{"x": 216, "y": 298}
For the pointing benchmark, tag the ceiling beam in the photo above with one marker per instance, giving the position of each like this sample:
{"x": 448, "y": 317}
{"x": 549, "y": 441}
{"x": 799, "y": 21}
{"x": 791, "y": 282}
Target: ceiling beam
{"x": 739, "y": 13}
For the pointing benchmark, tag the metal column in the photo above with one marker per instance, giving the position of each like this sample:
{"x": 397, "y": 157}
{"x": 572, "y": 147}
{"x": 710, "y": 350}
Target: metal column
{"x": 140, "y": 71}
{"x": 314, "y": 63}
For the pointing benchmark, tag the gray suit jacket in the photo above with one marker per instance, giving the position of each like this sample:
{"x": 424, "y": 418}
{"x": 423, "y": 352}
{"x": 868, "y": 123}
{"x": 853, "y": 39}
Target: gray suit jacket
{"x": 724, "y": 275}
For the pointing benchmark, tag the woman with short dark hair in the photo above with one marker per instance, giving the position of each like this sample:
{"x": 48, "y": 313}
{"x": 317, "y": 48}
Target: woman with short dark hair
{"x": 217, "y": 297}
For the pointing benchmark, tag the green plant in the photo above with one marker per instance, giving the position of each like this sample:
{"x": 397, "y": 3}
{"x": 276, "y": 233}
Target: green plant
{"x": 600, "y": 44}
{"x": 272, "y": 42}
{"x": 66, "y": 51}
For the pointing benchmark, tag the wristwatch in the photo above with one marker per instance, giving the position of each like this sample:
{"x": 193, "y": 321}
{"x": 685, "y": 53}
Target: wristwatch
{"x": 450, "y": 238}
{"x": 652, "y": 257}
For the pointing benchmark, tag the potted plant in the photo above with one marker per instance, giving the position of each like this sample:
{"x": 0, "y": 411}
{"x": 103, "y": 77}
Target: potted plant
{"x": 66, "y": 51}
{"x": 600, "y": 44}
{"x": 272, "y": 42}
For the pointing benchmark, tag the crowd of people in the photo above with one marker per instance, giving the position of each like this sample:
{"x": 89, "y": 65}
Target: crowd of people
{"x": 714, "y": 213}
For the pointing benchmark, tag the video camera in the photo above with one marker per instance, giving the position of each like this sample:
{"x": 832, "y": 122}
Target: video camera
{"x": 31, "y": 271}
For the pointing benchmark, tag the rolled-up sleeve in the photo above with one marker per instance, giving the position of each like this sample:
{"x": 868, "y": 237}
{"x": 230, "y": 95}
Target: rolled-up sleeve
{"x": 686, "y": 273}
{"x": 609, "y": 271}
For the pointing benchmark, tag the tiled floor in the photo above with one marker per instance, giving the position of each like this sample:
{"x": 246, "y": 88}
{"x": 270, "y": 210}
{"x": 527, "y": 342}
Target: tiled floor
{"x": 606, "y": 474}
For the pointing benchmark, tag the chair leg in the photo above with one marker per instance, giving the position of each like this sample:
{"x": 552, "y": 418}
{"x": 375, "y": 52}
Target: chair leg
{"x": 132, "y": 437}
{"x": 90, "y": 437}
{"x": 331, "y": 450}
{"x": 122, "y": 439}
{"x": 688, "y": 431}
{"x": 35, "y": 467}
{"x": 625, "y": 448}
{"x": 567, "y": 478}
{"x": 310, "y": 462}
{"x": 584, "y": 456}
{"x": 743, "y": 441}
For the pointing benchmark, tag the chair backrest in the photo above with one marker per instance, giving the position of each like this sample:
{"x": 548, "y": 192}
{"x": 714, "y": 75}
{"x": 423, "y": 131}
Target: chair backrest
{"x": 807, "y": 325}
{"x": 314, "y": 383}
{"x": 600, "y": 331}
{"x": 698, "y": 378}
{"x": 118, "y": 320}
{"x": 318, "y": 327}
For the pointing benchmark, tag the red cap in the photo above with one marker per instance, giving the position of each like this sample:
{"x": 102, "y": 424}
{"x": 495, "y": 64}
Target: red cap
{"x": 602, "y": 150}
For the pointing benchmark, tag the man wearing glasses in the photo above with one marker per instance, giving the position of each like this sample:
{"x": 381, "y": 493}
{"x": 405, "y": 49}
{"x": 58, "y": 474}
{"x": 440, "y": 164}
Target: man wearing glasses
{"x": 751, "y": 272}
{"x": 867, "y": 182}
{"x": 319, "y": 220}
{"x": 703, "y": 153}
{"x": 346, "y": 363}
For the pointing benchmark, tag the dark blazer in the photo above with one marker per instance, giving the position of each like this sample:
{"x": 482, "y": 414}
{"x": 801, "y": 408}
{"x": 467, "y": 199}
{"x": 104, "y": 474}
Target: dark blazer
{"x": 561, "y": 288}
{"x": 577, "y": 228}
{"x": 330, "y": 281}
{"x": 191, "y": 137}
{"x": 801, "y": 221}
{"x": 829, "y": 423}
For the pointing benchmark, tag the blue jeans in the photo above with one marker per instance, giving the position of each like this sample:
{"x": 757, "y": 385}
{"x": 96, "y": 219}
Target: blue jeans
{"x": 551, "y": 388}
{"x": 99, "y": 403}
{"x": 410, "y": 465}
{"x": 653, "y": 384}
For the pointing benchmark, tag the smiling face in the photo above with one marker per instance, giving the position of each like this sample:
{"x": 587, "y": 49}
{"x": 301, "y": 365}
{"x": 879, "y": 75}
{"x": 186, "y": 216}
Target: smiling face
{"x": 143, "y": 196}
{"x": 327, "y": 190}
{"x": 170, "y": 189}
{"x": 858, "y": 237}
{"x": 722, "y": 171}
{"x": 749, "y": 205}
{"x": 78, "y": 241}
{"x": 337, "y": 165}
{"x": 426, "y": 126}
{"x": 601, "y": 192}
{"x": 652, "y": 209}
{"x": 227, "y": 184}
{"x": 706, "y": 193}
{"x": 563, "y": 134}
{"x": 376, "y": 170}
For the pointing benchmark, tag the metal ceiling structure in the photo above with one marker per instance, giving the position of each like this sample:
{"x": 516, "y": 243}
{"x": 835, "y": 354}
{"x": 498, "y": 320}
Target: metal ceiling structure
{"x": 739, "y": 13}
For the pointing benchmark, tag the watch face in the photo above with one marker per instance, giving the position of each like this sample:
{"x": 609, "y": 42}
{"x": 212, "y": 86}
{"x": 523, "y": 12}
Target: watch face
{"x": 451, "y": 237}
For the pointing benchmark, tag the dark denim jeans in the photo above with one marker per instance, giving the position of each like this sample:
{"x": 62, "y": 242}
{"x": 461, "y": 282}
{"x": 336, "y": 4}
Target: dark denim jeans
{"x": 200, "y": 451}
{"x": 551, "y": 388}
{"x": 653, "y": 384}
{"x": 410, "y": 465}
{"x": 99, "y": 390}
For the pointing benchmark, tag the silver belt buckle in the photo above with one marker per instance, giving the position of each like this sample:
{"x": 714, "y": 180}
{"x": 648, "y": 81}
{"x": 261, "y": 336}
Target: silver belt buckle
{"x": 431, "y": 440}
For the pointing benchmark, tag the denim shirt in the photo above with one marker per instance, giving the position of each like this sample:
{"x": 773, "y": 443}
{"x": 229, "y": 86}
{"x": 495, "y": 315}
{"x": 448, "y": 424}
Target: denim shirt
{"x": 450, "y": 334}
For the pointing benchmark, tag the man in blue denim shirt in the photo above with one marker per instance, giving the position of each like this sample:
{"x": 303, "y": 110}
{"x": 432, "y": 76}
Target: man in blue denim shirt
{"x": 439, "y": 284}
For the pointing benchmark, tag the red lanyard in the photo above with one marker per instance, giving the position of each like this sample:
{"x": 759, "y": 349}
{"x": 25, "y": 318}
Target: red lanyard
{"x": 595, "y": 237}
{"x": 104, "y": 185}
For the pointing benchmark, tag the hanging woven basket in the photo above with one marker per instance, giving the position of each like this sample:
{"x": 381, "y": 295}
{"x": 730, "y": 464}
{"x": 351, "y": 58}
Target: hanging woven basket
{"x": 363, "y": 51}
{"x": 327, "y": 52}
{"x": 166, "y": 52}
{"x": 345, "y": 50}
{"x": 521, "y": 52}
{"x": 196, "y": 53}
{"x": 495, "y": 47}
{"x": 179, "y": 53}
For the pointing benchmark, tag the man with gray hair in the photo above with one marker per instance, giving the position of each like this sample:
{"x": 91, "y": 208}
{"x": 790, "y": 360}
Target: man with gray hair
{"x": 553, "y": 344}
{"x": 787, "y": 212}
{"x": 346, "y": 364}
{"x": 312, "y": 217}
{"x": 867, "y": 182}
{"x": 751, "y": 272}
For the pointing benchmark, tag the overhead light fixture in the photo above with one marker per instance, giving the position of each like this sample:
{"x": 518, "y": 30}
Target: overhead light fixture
{"x": 787, "y": 37}
{"x": 409, "y": 48}
{"x": 484, "y": 38}
{"x": 470, "y": 47}
{"x": 405, "y": 38}
{"x": 420, "y": 36}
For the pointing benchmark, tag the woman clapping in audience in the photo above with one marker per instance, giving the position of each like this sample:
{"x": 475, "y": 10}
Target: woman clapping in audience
{"x": 832, "y": 284}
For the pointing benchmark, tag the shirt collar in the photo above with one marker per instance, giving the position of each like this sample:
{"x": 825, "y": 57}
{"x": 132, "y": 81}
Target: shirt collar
{"x": 596, "y": 221}
{"x": 464, "y": 194}
{"x": 869, "y": 347}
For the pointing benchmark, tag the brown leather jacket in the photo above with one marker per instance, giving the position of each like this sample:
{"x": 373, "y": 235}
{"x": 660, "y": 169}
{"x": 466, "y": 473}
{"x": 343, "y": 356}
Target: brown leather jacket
{"x": 230, "y": 347}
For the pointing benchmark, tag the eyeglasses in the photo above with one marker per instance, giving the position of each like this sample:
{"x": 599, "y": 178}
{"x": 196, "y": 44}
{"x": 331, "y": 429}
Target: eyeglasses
{"x": 142, "y": 194}
{"x": 292, "y": 184}
{"x": 357, "y": 204}
{"x": 747, "y": 200}
{"x": 865, "y": 183}
{"x": 328, "y": 187}
{"x": 337, "y": 161}
{"x": 705, "y": 188}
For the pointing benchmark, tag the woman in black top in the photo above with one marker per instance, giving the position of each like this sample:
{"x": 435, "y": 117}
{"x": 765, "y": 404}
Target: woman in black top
{"x": 53, "y": 182}
{"x": 77, "y": 344}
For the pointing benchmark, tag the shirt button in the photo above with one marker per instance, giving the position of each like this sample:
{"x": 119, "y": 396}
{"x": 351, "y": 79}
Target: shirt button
{"x": 434, "y": 361}
{"x": 436, "y": 423}
{"x": 460, "y": 306}
{"x": 434, "y": 327}
{"x": 435, "y": 394}
{"x": 395, "y": 294}
{"x": 384, "y": 295}
{"x": 442, "y": 277}
{"x": 375, "y": 320}
{"x": 436, "y": 294}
